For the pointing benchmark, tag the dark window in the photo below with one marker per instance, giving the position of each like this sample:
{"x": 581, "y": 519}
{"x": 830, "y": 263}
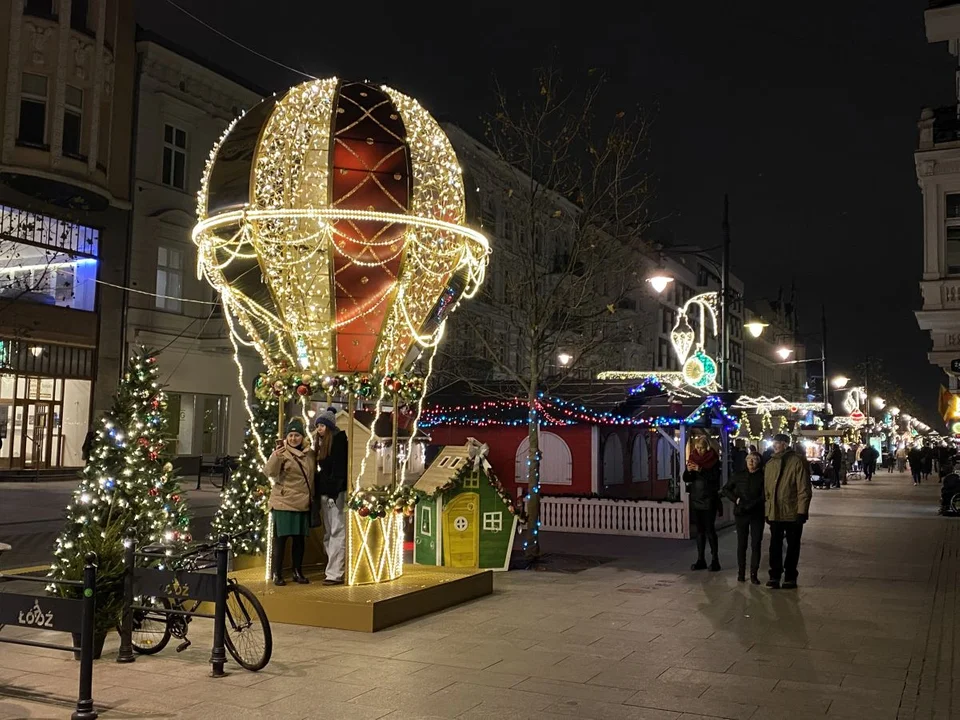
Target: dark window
{"x": 72, "y": 121}
{"x": 953, "y": 250}
{"x": 953, "y": 206}
{"x": 33, "y": 109}
{"x": 78, "y": 15}
{"x": 662, "y": 353}
{"x": 174, "y": 157}
{"x": 39, "y": 8}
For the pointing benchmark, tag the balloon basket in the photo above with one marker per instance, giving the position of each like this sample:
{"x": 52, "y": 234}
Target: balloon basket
{"x": 375, "y": 548}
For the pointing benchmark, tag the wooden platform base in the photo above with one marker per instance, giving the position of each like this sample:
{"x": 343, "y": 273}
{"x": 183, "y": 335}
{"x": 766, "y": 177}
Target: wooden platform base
{"x": 367, "y": 608}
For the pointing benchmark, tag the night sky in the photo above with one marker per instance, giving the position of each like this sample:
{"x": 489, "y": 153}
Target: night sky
{"x": 804, "y": 113}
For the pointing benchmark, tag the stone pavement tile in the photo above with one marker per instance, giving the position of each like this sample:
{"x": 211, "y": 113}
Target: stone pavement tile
{"x": 870, "y": 683}
{"x": 867, "y": 697}
{"x": 834, "y": 641}
{"x": 608, "y": 711}
{"x": 448, "y": 675}
{"x": 597, "y": 647}
{"x": 133, "y": 700}
{"x": 853, "y": 709}
{"x": 667, "y": 701}
{"x": 209, "y": 690}
{"x": 844, "y": 668}
{"x": 783, "y": 672}
{"x": 448, "y": 705}
{"x": 17, "y": 709}
{"x": 212, "y": 711}
{"x": 582, "y": 691}
{"x": 713, "y": 679}
{"x": 884, "y": 659}
{"x": 467, "y": 656}
{"x": 720, "y": 648}
{"x": 342, "y": 689}
{"x": 580, "y": 670}
{"x": 25, "y": 662}
{"x": 486, "y": 712}
{"x": 766, "y": 700}
{"x": 307, "y": 706}
{"x": 765, "y": 651}
{"x": 772, "y": 635}
{"x": 713, "y": 664}
{"x": 636, "y": 676}
{"x": 65, "y": 684}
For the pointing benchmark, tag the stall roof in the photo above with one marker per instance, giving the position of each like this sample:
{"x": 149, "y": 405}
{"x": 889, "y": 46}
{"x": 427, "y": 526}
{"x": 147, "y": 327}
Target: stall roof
{"x": 444, "y": 468}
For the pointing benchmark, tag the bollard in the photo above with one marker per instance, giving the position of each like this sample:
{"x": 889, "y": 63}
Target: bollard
{"x": 219, "y": 655}
{"x": 125, "y": 654}
{"x": 85, "y": 709}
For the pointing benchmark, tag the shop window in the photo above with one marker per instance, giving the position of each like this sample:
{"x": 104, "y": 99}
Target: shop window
{"x": 640, "y": 460}
{"x": 32, "y": 129}
{"x": 612, "y": 461}
{"x": 197, "y": 423}
{"x": 73, "y": 121}
{"x": 174, "y": 157}
{"x": 169, "y": 278}
{"x": 47, "y": 277}
{"x": 493, "y": 521}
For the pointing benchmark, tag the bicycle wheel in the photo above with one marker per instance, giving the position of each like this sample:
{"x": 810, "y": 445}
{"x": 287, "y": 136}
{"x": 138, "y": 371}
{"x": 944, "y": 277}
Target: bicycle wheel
{"x": 248, "y": 636}
{"x": 213, "y": 480}
{"x": 151, "y": 633}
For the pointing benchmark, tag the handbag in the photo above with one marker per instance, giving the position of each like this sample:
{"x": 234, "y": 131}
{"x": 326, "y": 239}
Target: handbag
{"x": 315, "y": 518}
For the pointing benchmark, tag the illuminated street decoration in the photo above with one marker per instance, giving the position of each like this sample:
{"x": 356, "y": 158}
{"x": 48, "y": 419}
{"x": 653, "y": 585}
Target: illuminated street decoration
{"x": 777, "y": 403}
{"x": 854, "y": 399}
{"x": 331, "y": 223}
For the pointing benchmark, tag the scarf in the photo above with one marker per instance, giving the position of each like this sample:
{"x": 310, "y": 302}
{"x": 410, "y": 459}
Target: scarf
{"x": 705, "y": 460}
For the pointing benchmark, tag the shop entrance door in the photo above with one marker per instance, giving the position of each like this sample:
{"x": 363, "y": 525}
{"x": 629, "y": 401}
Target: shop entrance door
{"x": 37, "y": 438}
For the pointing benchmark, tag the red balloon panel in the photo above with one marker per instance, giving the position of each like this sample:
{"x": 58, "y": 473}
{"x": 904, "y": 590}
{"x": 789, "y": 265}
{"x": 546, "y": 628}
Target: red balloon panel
{"x": 370, "y": 171}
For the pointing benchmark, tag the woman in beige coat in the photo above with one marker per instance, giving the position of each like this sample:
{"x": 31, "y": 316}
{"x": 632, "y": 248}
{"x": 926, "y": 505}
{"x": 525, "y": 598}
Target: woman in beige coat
{"x": 291, "y": 467}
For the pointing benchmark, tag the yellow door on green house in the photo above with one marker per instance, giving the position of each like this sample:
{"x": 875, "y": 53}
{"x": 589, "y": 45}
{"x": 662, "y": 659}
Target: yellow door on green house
{"x": 461, "y": 531}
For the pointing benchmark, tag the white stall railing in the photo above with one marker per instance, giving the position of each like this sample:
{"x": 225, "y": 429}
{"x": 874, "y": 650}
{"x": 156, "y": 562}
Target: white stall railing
{"x": 606, "y": 516}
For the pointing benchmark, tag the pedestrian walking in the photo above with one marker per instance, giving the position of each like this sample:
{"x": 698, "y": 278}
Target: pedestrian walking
{"x": 868, "y": 461}
{"x": 332, "y": 453}
{"x": 702, "y": 479}
{"x": 902, "y": 459}
{"x": 926, "y": 453}
{"x": 915, "y": 458}
{"x": 745, "y": 490}
{"x": 836, "y": 462}
{"x": 787, "y": 493}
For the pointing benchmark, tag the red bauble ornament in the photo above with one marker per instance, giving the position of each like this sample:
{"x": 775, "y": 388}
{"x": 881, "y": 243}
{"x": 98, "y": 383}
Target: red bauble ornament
{"x": 153, "y": 455}
{"x": 175, "y": 498}
{"x": 143, "y": 441}
{"x": 363, "y": 512}
{"x": 303, "y": 390}
{"x": 154, "y": 492}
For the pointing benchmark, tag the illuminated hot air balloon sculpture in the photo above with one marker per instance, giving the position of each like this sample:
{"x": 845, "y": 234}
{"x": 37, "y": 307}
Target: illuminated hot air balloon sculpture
{"x": 331, "y": 223}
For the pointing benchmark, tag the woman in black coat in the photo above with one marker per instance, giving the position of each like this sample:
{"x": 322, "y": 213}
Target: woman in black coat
{"x": 745, "y": 490}
{"x": 702, "y": 479}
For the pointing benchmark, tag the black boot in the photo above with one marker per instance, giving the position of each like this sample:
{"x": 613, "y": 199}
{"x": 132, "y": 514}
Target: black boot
{"x": 741, "y": 575}
{"x": 278, "y": 579}
{"x": 754, "y": 579}
{"x": 279, "y": 552}
{"x": 700, "y": 564}
{"x": 715, "y": 565}
{"x": 298, "y": 577}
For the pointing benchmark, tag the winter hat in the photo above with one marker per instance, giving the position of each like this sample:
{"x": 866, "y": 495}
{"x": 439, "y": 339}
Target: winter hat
{"x": 328, "y": 418}
{"x": 780, "y": 437}
{"x": 295, "y": 425}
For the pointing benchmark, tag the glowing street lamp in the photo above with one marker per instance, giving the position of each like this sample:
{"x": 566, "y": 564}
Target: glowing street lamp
{"x": 894, "y": 411}
{"x": 784, "y": 352}
{"x": 879, "y": 402}
{"x": 564, "y": 358}
{"x": 840, "y": 381}
{"x": 659, "y": 282}
{"x": 755, "y": 328}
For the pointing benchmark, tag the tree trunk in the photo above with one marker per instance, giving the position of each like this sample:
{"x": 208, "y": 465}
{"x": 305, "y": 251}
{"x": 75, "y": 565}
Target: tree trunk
{"x": 531, "y": 540}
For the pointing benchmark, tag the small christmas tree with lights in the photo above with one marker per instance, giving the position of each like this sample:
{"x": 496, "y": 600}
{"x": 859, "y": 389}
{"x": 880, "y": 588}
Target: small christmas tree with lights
{"x": 128, "y": 484}
{"x": 243, "y": 500}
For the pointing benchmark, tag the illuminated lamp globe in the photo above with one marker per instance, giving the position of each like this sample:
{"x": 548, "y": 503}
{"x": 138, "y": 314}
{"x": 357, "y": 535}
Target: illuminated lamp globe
{"x": 659, "y": 282}
{"x": 755, "y": 328}
{"x": 840, "y": 381}
{"x": 784, "y": 352}
{"x": 879, "y": 402}
{"x": 564, "y": 358}
{"x": 331, "y": 221}
{"x": 894, "y": 411}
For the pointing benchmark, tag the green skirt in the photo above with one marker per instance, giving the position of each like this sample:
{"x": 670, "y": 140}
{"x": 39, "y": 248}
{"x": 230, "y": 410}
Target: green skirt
{"x": 290, "y": 522}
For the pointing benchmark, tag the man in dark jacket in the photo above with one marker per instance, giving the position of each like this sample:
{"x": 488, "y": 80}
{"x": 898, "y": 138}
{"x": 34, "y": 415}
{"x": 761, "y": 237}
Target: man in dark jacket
{"x": 331, "y": 449}
{"x": 745, "y": 490}
{"x": 868, "y": 459}
{"x": 787, "y": 493}
{"x": 915, "y": 458}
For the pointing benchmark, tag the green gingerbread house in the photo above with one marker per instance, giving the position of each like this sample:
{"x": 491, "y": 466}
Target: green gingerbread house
{"x": 465, "y": 518}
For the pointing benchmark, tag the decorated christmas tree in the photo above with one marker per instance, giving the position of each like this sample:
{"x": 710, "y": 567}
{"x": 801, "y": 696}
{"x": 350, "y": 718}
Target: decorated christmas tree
{"x": 128, "y": 482}
{"x": 243, "y": 500}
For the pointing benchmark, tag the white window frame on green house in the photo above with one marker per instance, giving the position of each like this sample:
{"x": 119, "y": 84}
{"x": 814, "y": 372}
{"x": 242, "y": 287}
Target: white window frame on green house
{"x": 493, "y": 521}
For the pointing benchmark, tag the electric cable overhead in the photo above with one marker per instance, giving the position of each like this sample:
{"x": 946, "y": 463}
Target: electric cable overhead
{"x": 240, "y": 44}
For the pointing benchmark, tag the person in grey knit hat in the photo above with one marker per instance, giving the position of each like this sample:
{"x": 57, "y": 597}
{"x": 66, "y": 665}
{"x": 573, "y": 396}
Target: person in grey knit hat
{"x": 330, "y": 445}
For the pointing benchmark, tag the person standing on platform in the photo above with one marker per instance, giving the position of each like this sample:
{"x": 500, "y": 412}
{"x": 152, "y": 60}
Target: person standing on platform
{"x": 702, "y": 479}
{"x": 787, "y": 494}
{"x": 332, "y": 451}
{"x": 291, "y": 467}
{"x": 745, "y": 490}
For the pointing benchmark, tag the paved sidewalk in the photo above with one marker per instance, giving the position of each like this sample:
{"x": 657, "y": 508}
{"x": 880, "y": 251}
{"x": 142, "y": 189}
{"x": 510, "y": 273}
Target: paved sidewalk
{"x": 869, "y": 634}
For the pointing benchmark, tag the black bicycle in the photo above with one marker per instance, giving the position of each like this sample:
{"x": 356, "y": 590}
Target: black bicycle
{"x": 248, "y": 636}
